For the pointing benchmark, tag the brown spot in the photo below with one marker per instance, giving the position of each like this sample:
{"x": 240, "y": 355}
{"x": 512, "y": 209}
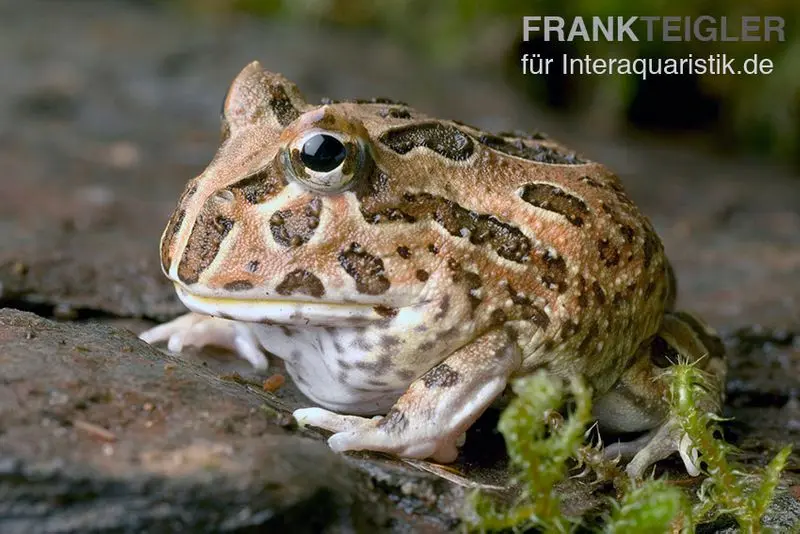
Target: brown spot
{"x": 526, "y": 310}
{"x": 591, "y": 181}
{"x": 555, "y": 271}
{"x": 303, "y": 282}
{"x": 650, "y": 247}
{"x": 394, "y": 113}
{"x": 260, "y": 186}
{"x": 403, "y": 252}
{"x": 608, "y": 253}
{"x": 295, "y": 227}
{"x": 173, "y": 226}
{"x": 238, "y": 285}
{"x": 366, "y": 270}
{"x": 442, "y": 376}
{"x": 377, "y": 368}
{"x": 252, "y": 266}
{"x": 569, "y": 329}
{"x": 209, "y": 231}
{"x": 422, "y": 275}
{"x": 385, "y": 311}
{"x": 447, "y": 141}
{"x": 393, "y": 421}
{"x": 498, "y": 316}
{"x": 551, "y": 198}
{"x": 286, "y": 331}
{"x": 586, "y": 342}
{"x": 281, "y": 105}
{"x": 433, "y": 249}
{"x": 514, "y": 146}
{"x": 599, "y": 294}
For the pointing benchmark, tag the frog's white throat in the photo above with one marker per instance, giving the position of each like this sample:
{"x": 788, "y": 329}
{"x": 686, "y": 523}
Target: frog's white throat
{"x": 282, "y": 312}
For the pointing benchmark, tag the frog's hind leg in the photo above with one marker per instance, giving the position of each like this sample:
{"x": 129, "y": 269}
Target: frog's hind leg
{"x": 638, "y": 401}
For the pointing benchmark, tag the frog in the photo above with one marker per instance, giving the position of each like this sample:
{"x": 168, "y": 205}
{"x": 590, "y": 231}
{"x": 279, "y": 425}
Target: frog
{"x": 408, "y": 269}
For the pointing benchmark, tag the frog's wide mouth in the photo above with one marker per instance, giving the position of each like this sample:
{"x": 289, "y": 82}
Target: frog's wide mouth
{"x": 284, "y": 312}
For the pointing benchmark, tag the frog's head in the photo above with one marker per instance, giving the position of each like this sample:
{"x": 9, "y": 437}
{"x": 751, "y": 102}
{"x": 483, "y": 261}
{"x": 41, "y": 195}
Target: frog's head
{"x": 301, "y": 218}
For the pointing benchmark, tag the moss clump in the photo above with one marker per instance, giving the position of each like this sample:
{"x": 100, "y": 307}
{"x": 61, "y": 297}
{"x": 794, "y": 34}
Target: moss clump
{"x": 539, "y": 452}
{"x": 542, "y": 446}
{"x": 728, "y": 489}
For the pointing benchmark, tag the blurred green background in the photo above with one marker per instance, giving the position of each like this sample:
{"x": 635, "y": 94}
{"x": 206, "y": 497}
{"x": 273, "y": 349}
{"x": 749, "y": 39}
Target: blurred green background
{"x": 742, "y": 114}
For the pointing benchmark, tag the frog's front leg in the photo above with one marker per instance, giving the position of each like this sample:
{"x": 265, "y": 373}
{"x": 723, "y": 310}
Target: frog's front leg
{"x": 198, "y": 330}
{"x": 429, "y": 418}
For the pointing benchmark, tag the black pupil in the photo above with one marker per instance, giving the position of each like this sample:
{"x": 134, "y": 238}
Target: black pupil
{"x": 323, "y": 153}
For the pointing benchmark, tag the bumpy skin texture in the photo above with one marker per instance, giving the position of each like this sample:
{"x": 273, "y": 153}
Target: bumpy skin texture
{"x": 414, "y": 280}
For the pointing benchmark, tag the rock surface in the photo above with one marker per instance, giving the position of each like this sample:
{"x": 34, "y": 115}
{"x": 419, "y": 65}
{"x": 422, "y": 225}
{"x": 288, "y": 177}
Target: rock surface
{"x": 101, "y": 128}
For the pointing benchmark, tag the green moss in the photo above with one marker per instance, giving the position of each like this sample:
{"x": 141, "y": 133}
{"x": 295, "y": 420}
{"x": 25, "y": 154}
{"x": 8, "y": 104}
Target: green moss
{"x": 729, "y": 488}
{"x": 543, "y": 447}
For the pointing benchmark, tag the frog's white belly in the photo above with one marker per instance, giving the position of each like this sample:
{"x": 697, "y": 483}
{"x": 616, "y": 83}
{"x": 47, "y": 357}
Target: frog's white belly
{"x": 335, "y": 368}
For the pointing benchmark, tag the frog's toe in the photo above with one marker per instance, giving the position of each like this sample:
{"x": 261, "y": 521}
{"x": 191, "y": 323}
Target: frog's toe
{"x": 664, "y": 441}
{"x": 327, "y": 420}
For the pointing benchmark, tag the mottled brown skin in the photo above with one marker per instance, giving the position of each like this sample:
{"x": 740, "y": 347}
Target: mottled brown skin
{"x": 512, "y": 252}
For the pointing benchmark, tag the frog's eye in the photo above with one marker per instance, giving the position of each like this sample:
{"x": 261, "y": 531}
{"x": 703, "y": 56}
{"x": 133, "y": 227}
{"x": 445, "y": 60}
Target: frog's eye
{"x": 322, "y": 153}
{"x": 327, "y": 162}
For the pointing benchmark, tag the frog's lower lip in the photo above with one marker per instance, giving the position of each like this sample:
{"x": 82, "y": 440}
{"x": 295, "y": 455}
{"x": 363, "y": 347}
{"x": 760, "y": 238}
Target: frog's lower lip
{"x": 287, "y": 312}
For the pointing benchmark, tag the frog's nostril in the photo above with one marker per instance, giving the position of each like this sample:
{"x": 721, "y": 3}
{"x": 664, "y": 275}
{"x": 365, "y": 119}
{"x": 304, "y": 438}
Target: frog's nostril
{"x": 225, "y": 195}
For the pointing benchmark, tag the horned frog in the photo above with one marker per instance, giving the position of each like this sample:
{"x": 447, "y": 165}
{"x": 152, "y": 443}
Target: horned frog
{"x": 407, "y": 267}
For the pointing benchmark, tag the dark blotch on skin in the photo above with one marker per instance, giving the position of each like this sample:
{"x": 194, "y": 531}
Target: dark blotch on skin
{"x": 393, "y": 421}
{"x": 441, "y": 376}
{"x": 555, "y": 271}
{"x": 394, "y": 113}
{"x": 385, "y": 311}
{"x": 260, "y": 186}
{"x": 281, "y": 106}
{"x": 367, "y": 270}
{"x": 551, "y": 198}
{"x": 446, "y": 140}
{"x": 508, "y": 241}
{"x": 295, "y": 227}
{"x": 422, "y": 275}
{"x": 608, "y": 253}
{"x": 252, "y": 266}
{"x": 525, "y": 309}
{"x": 650, "y": 247}
{"x": 301, "y": 281}
{"x": 403, "y": 252}
{"x": 238, "y": 285}
{"x": 540, "y": 153}
{"x": 169, "y": 235}
{"x": 599, "y": 294}
{"x": 204, "y": 242}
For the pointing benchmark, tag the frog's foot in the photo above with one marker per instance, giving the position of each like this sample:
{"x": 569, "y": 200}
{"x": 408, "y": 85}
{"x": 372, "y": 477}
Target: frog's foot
{"x": 654, "y": 446}
{"x": 388, "y": 434}
{"x": 431, "y": 417}
{"x": 197, "y": 330}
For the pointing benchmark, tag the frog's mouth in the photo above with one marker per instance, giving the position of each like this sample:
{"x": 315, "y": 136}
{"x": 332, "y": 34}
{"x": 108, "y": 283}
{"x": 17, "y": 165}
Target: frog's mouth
{"x": 284, "y": 312}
